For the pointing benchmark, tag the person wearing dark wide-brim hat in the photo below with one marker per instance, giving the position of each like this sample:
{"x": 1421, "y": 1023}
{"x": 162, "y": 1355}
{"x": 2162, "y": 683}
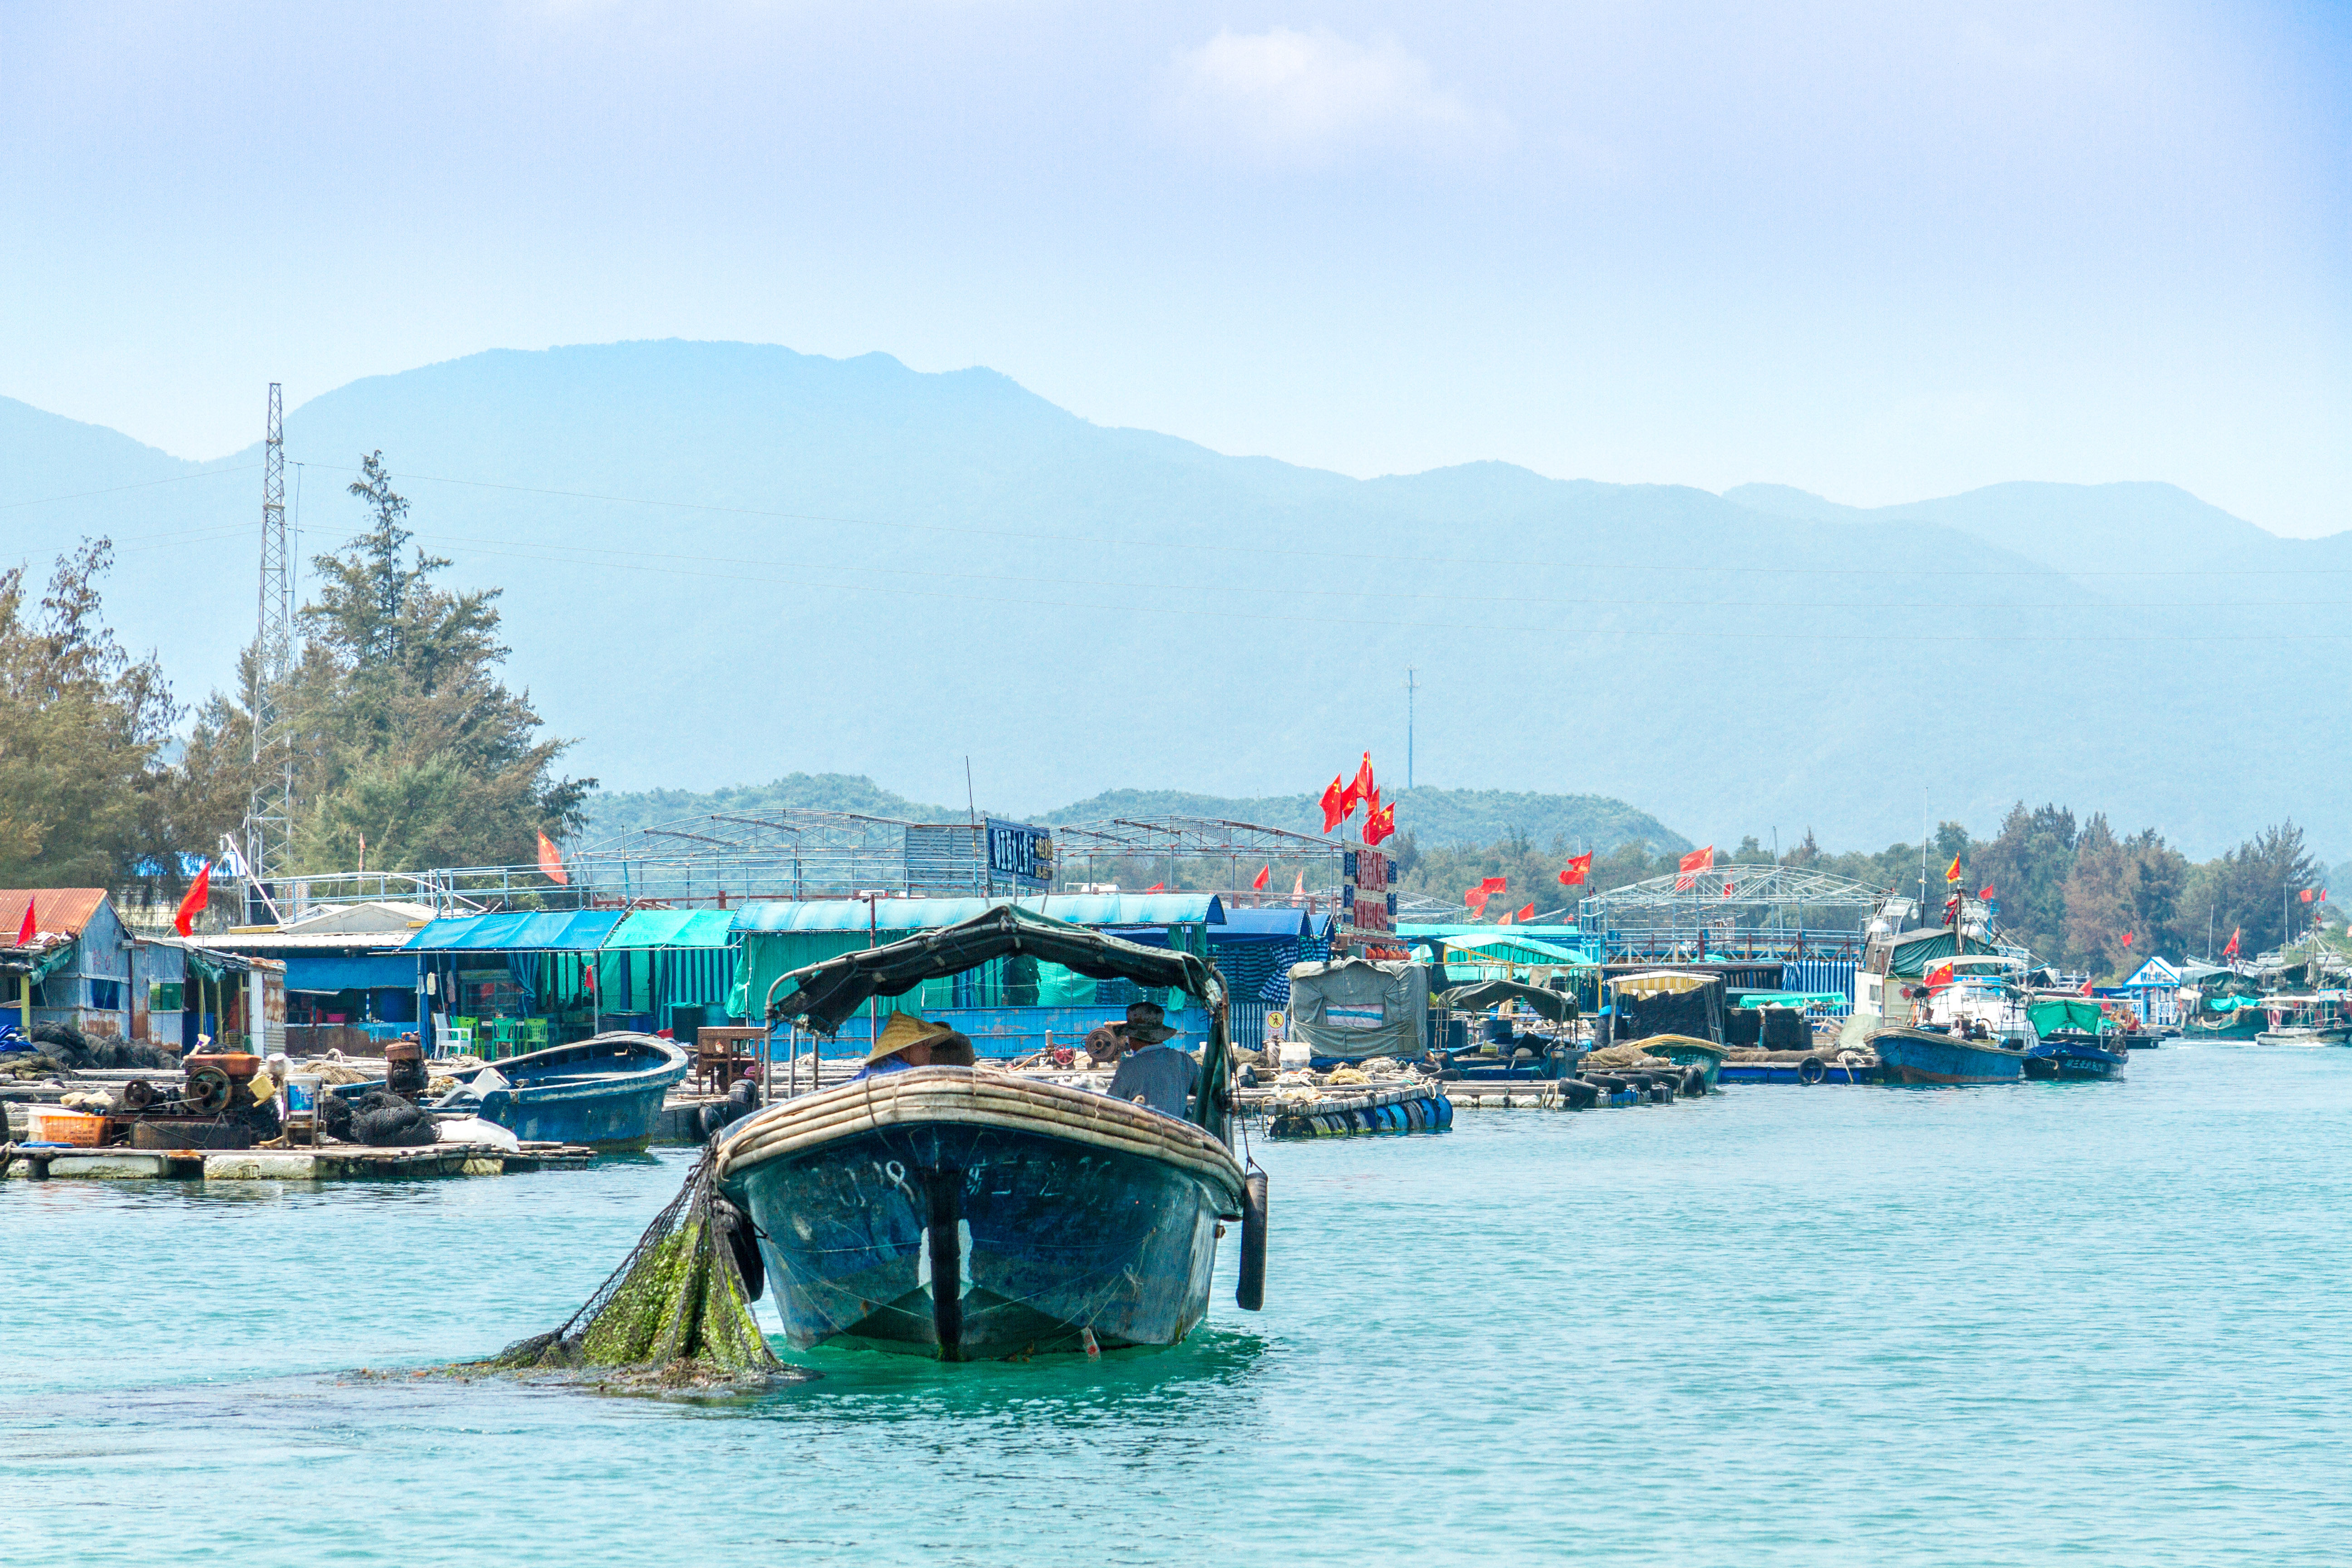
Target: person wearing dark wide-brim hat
{"x": 1152, "y": 1073}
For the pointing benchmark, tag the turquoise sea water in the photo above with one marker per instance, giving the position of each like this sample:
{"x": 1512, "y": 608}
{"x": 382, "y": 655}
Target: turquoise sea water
{"x": 2103, "y": 1324}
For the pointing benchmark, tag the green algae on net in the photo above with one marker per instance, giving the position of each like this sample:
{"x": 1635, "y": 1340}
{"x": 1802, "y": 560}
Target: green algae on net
{"x": 675, "y": 1315}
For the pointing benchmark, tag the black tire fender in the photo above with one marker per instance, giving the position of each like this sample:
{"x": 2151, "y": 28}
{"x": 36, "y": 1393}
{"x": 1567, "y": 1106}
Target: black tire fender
{"x": 1813, "y": 1069}
{"x": 1250, "y": 1294}
{"x": 744, "y": 1241}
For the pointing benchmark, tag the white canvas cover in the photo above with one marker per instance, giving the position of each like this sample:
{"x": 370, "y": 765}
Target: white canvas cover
{"x": 1354, "y": 1008}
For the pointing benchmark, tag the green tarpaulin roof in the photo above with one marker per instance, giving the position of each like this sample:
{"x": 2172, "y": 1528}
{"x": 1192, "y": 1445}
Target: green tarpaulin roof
{"x": 931, "y": 914}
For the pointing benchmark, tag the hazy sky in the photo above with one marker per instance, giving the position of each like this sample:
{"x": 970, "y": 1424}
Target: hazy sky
{"x": 1877, "y": 251}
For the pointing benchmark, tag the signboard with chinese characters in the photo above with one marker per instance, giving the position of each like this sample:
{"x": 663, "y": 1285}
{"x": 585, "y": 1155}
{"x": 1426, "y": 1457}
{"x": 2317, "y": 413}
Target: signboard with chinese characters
{"x": 1020, "y": 855}
{"x": 1368, "y": 909}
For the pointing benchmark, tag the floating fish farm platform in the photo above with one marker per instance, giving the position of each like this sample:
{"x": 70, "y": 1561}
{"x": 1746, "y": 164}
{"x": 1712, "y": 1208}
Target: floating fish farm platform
{"x": 1417, "y": 1105}
{"x": 328, "y": 1163}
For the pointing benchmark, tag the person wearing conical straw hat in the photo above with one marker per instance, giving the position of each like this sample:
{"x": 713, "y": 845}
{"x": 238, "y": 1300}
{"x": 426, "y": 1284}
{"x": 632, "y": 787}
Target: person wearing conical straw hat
{"x": 907, "y": 1041}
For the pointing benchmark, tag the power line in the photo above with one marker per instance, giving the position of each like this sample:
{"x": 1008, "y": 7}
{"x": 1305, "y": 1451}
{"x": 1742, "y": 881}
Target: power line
{"x": 141, "y": 485}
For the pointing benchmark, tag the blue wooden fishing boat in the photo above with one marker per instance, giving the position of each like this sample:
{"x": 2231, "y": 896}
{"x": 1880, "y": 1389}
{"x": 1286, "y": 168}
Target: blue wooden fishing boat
{"x": 973, "y": 1214}
{"x": 1930, "y": 1055}
{"x": 606, "y": 1092}
{"x": 2073, "y": 1039}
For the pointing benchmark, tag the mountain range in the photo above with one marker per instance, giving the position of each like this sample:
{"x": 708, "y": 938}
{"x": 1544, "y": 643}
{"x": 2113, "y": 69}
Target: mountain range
{"x": 726, "y": 563}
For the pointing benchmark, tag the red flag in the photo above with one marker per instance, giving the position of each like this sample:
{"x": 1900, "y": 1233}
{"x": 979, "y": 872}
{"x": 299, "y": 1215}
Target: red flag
{"x": 1298, "y": 886}
{"x": 2127, "y": 938}
{"x": 1476, "y": 899}
{"x": 1380, "y": 825}
{"x": 2231, "y": 950}
{"x": 1952, "y": 873}
{"x": 1495, "y": 884}
{"x": 1264, "y": 874}
{"x": 1727, "y": 889}
{"x": 1364, "y": 790}
{"x": 1527, "y": 914}
{"x": 1940, "y": 975}
{"x": 1987, "y": 893}
{"x": 1503, "y": 919}
{"x": 1690, "y": 865}
{"x": 1578, "y": 868}
{"x": 26, "y": 932}
{"x": 1335, "y": 805}
{"x": 2085, "y": 991}
{"x": 1157, "y": 888}
{"x": 200, "y": 893}
{"x": 551, "y": 862}
{"x": 2306, "y": 895}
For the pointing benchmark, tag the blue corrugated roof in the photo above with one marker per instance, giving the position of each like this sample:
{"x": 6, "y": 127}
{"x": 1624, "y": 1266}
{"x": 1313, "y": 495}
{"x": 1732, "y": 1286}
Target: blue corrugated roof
{"x": 1269, "y": 922}
{"x": 929, "y": 914}
{"x": 574, "y": 930}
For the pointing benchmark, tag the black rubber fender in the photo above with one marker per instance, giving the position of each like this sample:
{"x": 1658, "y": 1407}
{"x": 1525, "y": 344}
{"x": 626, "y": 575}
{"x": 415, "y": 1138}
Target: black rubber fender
{"x": 1694, "y": 1081}
{"x": 1249, "y": 1293}
{"x": 744, "y": 1241}
{"x": 1813, "y": 1069}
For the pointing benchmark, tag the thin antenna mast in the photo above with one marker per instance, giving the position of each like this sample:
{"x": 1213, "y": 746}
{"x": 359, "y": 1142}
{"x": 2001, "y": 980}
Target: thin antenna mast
{"x": 269, "y": 810}
{"x": 1408, "y": 689}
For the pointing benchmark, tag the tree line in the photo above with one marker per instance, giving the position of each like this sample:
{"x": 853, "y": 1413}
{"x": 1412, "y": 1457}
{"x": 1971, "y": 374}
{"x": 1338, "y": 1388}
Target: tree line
{"x": 401, "y": 733}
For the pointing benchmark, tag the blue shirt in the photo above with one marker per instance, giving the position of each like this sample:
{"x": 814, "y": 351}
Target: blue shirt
{"x": 876, "y": 1070}
{"x": 1162, "y": 1075}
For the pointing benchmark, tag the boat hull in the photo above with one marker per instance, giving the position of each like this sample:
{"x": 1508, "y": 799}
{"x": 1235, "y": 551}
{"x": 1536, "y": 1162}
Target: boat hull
{"x": 921, "y": 1229}
{"x": 1919, "y": 1055}
{"x": 604, "y": 1092}
{"x": 2067, "y": 1061}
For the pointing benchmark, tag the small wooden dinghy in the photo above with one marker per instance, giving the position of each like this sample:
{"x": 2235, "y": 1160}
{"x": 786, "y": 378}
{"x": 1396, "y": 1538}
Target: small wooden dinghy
{"x": 968, "y": 1213}
{"x": 606, "y": 1092}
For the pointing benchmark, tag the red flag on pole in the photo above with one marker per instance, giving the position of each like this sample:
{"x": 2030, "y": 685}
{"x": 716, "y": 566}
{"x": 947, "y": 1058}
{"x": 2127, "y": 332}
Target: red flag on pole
{"x": 2127, "y": 936}
{"x": 1157, "y": 888}
{"x": 1952, "y": 873}
{"x": 2306, "y": 895}
{"x": 2231, "y": 950}
{"x": 1264, "y": 874}
{"x": 1939, "y": 976}
{"x": 1335, "y": 805}
{"x": 1690, "y": 865}
{"x": 27, "y": 931}
{"x": 200, "y": 893}
{"x": 1364, "y": 790}
{"x": 1578, "y": 868}
{"x": 1526, "y": 914}
{"x": 1496, "y": 885}
{"x": 551, "y": 862}
{"x": 1380, "y": 825}
{"x": 1476, "y": 897}
{"x": 1986, "y": 892}
{"x": 1503, "y": 919}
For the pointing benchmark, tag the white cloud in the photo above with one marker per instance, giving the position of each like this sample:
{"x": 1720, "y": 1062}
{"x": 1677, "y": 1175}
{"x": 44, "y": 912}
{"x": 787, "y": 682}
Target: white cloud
{"x": 1309, "y": 97}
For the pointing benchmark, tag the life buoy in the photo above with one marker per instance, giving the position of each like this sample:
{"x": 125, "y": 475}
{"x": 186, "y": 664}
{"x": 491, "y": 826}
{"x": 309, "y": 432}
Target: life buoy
{"x": 1813, "y": 1069}
{"x": 1249, "y": 1293}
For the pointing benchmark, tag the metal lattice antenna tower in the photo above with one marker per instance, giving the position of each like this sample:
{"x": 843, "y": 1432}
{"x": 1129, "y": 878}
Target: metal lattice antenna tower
{"x": 268, "y": 813}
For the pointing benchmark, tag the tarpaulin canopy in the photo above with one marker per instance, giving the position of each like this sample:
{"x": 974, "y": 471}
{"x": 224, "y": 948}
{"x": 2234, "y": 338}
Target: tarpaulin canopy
{"x": 932, "y": 914}
{"x": 825, "y": 995}
{"x": 331, "y": 972}
{"x": 2050, "y": 1014}
{"x": 1354, "y": 1008}
{"x": 1556, "y": 1005}
{"x": 673, "y": 928}
{"x": 574, "y": 931}
{"x": 1790, "y": 999}
{"x": 34, "y": 964}
{"x": 1667, "y": 1001}
{"x": 1499, "y": 949}
{"x": 1916, "y": 953}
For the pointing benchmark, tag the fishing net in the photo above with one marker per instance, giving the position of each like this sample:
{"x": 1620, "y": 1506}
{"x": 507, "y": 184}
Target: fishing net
{"x": 677, "y": 1314}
